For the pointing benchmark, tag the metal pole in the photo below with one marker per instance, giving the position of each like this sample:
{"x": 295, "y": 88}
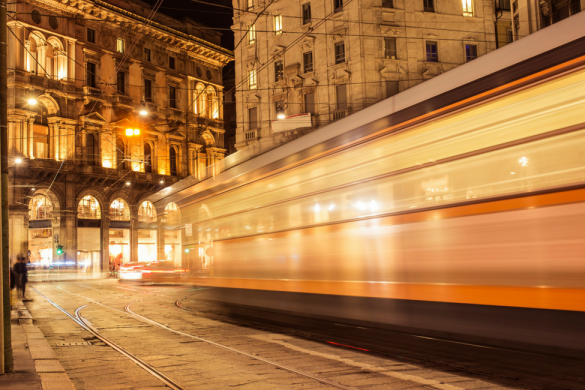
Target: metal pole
{"x": 7, "y": 365}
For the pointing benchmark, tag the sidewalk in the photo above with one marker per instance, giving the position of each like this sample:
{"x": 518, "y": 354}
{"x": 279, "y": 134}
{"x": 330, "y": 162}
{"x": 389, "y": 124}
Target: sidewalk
{"x": 35, "y": 363}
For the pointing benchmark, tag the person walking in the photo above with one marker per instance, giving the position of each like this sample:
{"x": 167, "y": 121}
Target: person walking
{"x": 21, "y": 276}
{"x": 12, "y": 287}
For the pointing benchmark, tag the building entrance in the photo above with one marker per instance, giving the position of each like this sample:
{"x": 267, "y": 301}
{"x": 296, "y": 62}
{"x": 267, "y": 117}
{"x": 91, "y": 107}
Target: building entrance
{"x": 40, "y": 246}
{"x": 147, "y": 245}
{"x": 120, "y": 246}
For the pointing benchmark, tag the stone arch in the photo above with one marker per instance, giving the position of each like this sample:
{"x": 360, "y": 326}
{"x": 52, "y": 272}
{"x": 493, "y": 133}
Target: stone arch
{"x": 154, "y": 210}
{"x": 172, "y": 213}
{"x": 51, "y": 194}
{"x": 212, "y": 103}
{"x": 96, "y": 194}
{"x": 50, "y": 103}
{"x": 129, "y": 199}
{"x": 208, "y": 138}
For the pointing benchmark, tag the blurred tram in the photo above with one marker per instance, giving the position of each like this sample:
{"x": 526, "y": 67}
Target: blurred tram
{"x": 455, "y": 209}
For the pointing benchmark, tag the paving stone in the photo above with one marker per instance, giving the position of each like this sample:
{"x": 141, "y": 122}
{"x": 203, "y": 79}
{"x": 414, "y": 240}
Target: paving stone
{"x": 46, "y": 366}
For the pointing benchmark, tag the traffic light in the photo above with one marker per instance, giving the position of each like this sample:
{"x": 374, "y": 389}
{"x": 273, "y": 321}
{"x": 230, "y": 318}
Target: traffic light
{"x": 60, "y": 249}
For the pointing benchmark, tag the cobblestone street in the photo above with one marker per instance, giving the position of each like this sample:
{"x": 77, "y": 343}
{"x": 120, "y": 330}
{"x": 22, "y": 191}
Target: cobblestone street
{"x": 179, "y": 338}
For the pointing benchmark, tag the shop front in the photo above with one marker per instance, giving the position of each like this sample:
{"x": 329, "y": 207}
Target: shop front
{"x": 147, "y": 233}
{"x": 89, "y": 235}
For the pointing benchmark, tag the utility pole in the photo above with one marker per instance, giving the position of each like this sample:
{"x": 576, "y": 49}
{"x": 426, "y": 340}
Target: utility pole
{"x": 6, "y": 363}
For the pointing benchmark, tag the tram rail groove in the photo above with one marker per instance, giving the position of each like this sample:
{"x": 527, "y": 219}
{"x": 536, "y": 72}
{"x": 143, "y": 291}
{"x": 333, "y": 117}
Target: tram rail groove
{"x": 81, "y": 321}
{"x": 305, "y": 336}
{"x": 283, "y": 367}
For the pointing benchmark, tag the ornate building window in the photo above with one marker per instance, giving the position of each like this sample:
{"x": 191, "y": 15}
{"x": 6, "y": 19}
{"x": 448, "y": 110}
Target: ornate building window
{"x": 253, "y": 79}
{"x": 89, "y": 208}
{"x": 172, "y": 213}
{"x": 213, "y": 103}
{"x": 467, "y": 7}
{"x": 173, "y": 160}
{"x": 40, "y": 207}
{"x": 146, "y": 212}
{"x": 252, "y": 34}
{"x": 90, "y": 35}
{"x": 120, "y": 45}
{"x": 200, "y": 99}
{"x": 119, "y": 210}
{"x": 278, "y": 24}
{"x": 147, "y": 158}
{"x": 36, "y": 16}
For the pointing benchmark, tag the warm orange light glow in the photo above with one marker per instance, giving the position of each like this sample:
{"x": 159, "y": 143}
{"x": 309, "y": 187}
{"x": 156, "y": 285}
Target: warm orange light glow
{"x": 107, "y": 164}
{"x": 129, "y": 132}
{"x": 136, "y": 131}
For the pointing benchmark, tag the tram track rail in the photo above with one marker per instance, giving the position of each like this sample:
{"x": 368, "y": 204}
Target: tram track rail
{"x": 430, "y": 363}
{"x": 85, "y": 324}
{"x": 163, "y": 378}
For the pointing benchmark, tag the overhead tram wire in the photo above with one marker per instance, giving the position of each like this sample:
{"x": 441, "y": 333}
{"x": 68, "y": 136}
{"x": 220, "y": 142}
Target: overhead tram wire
{"x": 325, "y": 33}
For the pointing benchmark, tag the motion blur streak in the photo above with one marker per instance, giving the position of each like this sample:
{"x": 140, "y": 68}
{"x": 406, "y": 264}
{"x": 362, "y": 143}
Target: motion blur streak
{"x": 466, "y": 225}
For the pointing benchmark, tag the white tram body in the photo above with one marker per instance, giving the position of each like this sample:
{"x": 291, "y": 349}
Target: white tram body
{"x": 456, "y": 208}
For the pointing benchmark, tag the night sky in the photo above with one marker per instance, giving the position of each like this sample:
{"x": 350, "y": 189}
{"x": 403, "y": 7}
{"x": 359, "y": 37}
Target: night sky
{"x": 211, "y": 15}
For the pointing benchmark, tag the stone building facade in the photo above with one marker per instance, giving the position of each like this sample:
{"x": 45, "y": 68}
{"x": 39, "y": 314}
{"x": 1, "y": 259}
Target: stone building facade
{"x": 107, "y": 105}
{"x": 529, "y": 16}
{"x": 314, "y": 62}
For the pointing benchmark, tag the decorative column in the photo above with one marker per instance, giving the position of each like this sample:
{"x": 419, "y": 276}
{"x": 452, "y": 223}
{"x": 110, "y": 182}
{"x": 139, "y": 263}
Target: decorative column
{"x": 160, "y": 240}
{"x": 30, "y": 138}
{"x": 134, "y": 239}
{"x": 41, "y": 55}
{"x": 57, "y": 142}
{"x": 68, "y": 234}
{"x": 105, "y": 236}
{"x": 69, "y": 72}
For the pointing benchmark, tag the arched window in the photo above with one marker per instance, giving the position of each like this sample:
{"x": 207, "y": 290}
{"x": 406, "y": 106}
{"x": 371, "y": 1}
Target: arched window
{"x": 146, "y": 212}
{"x": 212, "y": 103}
{"x": 173, "y": 160}
{"x": 147, "y": 158}
{"x": 49, "y": 62}
{"x": 200, "y": 99}
{"x": 92, "y": 151}
{"x": 119, "y": 210}
{"x": 120, "y": 153}
{"x": 172, "y": 213}
{"x": 89, "y": 208}
{"x": 40, "y": 207}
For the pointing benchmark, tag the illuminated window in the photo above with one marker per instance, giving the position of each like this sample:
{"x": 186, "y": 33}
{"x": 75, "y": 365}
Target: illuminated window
{"x": 277, "y": 24}
{"x": 89, "y": 208}
{"x": 390, "y": 48}
{"x": 253, "y": 79}
{"x": 213, "y": 103}
{"x": 200, "y": 100}
{"x": 120, "y": 45}
{"x": 467, "y": 7}
{"x": 119, "y": 210}
{"x": 146, "y": 54}
{"x": 172, "y": 213}
{"x": 146, "y": 212}
{"x": 252, "y": 34}
{"x": 40, "y": 207}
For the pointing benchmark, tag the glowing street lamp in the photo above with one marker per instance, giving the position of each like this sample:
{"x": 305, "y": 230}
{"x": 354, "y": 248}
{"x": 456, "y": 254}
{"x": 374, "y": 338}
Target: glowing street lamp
{"x": 131, "y": 132}
{"x": 143, "y": 112}
{"x": 32, "y": 101}
{"x": 18, "y": 160}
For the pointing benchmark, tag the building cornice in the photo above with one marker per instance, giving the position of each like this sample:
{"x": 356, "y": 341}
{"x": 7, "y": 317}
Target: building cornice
{"x": 136, "y": 24}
